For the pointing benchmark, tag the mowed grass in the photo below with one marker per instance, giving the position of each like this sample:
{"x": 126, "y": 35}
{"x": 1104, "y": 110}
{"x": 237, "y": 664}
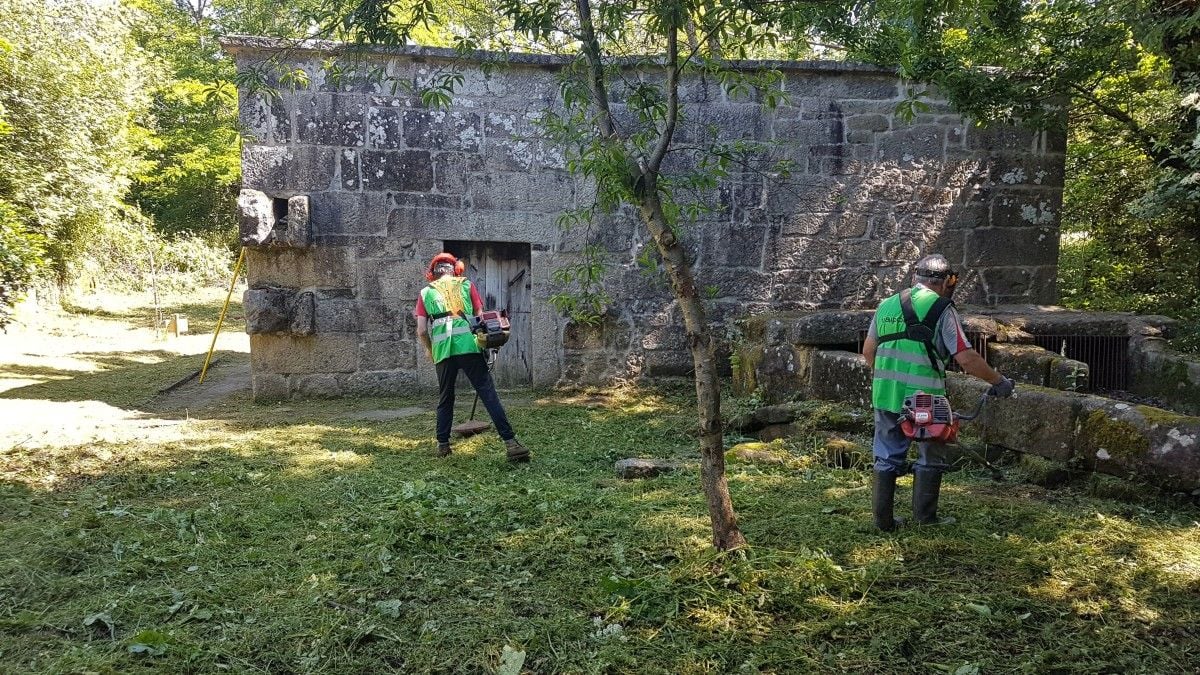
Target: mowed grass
{"x": 293, "y": 538}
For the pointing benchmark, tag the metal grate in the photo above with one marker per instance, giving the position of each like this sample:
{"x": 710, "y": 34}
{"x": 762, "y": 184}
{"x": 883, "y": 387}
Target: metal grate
{"x": 1106, "y": 356}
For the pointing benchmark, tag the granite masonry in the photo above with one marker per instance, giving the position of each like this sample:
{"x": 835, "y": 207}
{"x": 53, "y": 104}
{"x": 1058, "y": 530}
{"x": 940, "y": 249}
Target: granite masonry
{"x": 351, "y": 185}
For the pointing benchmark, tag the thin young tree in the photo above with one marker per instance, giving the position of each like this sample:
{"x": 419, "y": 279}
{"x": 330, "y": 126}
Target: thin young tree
{"x": 643, "y": 49}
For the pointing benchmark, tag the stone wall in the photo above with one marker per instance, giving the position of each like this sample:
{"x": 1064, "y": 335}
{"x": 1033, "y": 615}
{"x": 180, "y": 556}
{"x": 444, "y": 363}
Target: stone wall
{"x": 374, "y": 182}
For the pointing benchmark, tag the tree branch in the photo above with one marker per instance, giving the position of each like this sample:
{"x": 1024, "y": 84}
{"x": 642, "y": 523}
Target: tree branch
{"x": 664, "y": 140}
{"x": 1161, "y": 155}
{"x": 591, "y": 50}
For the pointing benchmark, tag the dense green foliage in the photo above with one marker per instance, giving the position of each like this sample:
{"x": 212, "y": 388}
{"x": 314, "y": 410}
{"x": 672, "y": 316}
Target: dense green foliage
{"x": 72, "y": 94}
{"x": 189, "y": 181}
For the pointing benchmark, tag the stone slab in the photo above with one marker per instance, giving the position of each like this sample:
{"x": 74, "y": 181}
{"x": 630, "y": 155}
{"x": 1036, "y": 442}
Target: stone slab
{"x": 643, "y": 468}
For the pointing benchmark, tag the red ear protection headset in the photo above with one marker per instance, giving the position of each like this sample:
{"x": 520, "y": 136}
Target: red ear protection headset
{"x": 441, "y": 258}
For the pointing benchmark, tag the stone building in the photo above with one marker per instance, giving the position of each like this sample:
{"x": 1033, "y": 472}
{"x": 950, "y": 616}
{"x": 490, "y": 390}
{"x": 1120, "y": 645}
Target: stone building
{"x": 352, "y": 185}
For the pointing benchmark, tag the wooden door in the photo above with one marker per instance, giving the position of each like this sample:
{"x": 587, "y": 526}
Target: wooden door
{"x": 500, "y": 271}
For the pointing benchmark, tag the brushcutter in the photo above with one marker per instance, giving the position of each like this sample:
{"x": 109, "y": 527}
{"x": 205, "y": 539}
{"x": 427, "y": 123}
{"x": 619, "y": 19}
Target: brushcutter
{"x": 928, "y": 417}
{"x": 473, "y": 426}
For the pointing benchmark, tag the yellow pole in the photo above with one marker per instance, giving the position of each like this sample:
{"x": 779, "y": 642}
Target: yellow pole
{"x": 221, "y": 319}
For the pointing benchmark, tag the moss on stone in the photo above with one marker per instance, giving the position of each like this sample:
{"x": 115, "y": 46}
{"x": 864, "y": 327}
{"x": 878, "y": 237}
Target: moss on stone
{"x": 1162, "y": 417}
{"x": 1118, "y": 438}
{"x": 1042, "y": 471}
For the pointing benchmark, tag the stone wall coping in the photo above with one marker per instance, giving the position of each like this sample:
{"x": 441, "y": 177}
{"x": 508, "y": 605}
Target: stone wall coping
{"x": 253, "y": 44}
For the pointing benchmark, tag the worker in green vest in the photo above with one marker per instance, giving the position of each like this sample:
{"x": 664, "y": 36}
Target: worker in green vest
{"x": 444, "y": 328}
{"x": 901, "y": 366}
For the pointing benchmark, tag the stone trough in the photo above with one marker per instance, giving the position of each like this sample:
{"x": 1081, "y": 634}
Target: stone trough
{"x": 810, "y": 356}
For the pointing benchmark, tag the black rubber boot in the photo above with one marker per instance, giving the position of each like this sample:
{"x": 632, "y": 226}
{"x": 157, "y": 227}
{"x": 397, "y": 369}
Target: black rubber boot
{"x": 926, "y": 487}
{"x": 883, "y": 494}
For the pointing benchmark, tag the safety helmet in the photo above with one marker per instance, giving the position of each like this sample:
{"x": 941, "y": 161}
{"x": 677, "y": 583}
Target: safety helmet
{"x": 444, "y": 259}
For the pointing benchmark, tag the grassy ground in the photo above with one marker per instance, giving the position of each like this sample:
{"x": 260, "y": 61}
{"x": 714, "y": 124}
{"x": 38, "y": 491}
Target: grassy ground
{"x": 293, "y": 538}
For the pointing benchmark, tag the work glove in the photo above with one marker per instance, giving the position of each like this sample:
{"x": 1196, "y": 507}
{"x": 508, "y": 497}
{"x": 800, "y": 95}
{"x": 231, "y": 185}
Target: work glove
{"x": 1002, "y": 389}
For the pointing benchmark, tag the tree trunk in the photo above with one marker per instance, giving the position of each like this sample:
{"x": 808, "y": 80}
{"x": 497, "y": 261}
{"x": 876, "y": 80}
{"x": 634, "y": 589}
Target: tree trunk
{"x": 726, "y": 535}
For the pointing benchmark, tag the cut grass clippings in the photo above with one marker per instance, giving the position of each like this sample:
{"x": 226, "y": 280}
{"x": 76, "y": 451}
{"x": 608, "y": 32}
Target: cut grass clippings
{"x": 293, "y": 538}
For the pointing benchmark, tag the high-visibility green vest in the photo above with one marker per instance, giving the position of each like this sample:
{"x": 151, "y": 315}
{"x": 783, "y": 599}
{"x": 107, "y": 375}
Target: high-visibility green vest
{"x": 903, "y": 366}
{"x": 447, "y": 304}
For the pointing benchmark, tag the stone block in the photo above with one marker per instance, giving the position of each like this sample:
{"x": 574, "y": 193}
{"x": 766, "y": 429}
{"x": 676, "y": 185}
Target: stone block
{"x": 871, "y": 122}
{"x": 452, "y": 171}
{"x": 379, "y": 383}
{"x": 1025, "y": 209}
{"x": 323, "y": 267}
{"x": 1126, "y": 439}
{"x": 801, "y": 253}
{"x": 269, "y": 387}
{"x": 1030, "y": 364}
{"x": 266, "y": 310}
{"x": 331, "y": 119}
{"x": 849, "y": 287}
{"x": 630, "y": 469}
{"x": 278, "y": 170}
{"x": 399, "y": 170}
{"x": 302, "y": 314}
{"x": 669, "y": 363}
{"x": 540, "y": 193}
{"x": 349, "y": 169}
{"x": 391, "y": 281}
{"x": 285, "y": 354}
{"x": 314, "y": 386}
{"x": 914, "y": 143}
{"x": 264, "y": 119}
{"x": 1167, "y": 375}
{"x": 389, "y": 355}
{"x": 442, "y": 130}
{"x": 1002, "y": 139}
{"x": 840, "y": 376}
{"x": 383, "y": 129}
{"x": 407, "y": 222}
{"x": 356, "y": 213}
{"x": 337, "y": 314}
{"x": 1025, "y": 246}
{"x": 256, "y": 217}
{"x": 808, "y": 132}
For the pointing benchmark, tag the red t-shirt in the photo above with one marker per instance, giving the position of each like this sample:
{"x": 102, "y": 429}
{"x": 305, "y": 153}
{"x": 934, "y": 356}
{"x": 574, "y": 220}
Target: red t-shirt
{"x": 476, "y": 303}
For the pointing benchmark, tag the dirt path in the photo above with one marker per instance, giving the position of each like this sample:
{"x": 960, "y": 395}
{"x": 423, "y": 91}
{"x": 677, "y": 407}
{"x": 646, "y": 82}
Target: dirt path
{"x": 68, "y": 379}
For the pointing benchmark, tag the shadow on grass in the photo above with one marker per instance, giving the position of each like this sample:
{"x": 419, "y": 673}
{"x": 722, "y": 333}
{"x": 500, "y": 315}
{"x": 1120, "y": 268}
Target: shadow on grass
{"x": 202, "y": 316}
{"x": 122, "y": 379}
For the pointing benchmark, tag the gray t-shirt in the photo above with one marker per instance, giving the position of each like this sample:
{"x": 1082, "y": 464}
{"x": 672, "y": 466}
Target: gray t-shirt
{"x": 950, "y": 338}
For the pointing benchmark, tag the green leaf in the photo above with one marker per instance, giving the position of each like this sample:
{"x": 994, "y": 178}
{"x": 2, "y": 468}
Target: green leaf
{"x": 151, "y": 642}
{"x": 511, "y": 661}
{"x": 388, "y": 608}
{"x": 982, "y": 610}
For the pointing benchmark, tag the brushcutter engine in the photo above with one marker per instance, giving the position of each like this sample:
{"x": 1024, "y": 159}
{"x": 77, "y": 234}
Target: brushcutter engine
{"x": 928, "y": 417}
{"x": 491, "y": 329}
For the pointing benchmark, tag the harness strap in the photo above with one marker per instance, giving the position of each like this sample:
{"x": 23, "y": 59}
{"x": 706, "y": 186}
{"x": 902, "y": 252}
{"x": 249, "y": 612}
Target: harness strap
{"x": 920, "y": 330}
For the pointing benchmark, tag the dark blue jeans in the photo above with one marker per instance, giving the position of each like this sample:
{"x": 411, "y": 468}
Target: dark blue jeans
{"x": 475, "y": 366}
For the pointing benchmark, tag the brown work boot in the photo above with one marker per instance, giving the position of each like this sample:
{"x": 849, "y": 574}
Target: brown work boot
{"x": 515, "y": 451}
{"x": 443, "y": 450}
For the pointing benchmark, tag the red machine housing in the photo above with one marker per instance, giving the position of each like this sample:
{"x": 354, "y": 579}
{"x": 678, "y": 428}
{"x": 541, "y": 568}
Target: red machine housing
{"x": 928, "y": 417}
